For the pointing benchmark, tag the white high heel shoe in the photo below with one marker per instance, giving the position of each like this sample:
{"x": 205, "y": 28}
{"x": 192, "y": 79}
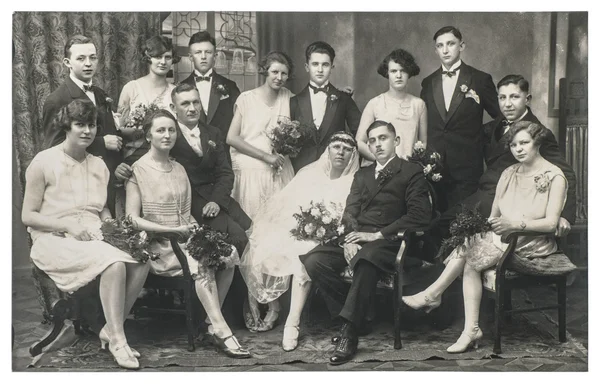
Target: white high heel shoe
{"x": 105, "y": 340}
{"x": 123, "y": 357}
{"x": 466, "y": 341}
{"x": 290, "y": 337}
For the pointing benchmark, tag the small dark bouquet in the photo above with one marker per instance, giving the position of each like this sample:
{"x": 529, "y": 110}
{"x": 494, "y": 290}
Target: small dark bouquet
{"x": 121, "y": 234}
{"x": 319, "y": 223}
{"x": 468, "y": 223}
{"x": 209, "y": 247}
{"x": 289, "y": 136}
{"x": 431, "y": 161}
{"x": 136, "y": 117}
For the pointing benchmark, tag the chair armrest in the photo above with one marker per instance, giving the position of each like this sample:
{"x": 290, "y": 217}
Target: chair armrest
{"x": 403, "y": 236}
{"x": 174, "y": 238}
{"x": 511, "y": 239}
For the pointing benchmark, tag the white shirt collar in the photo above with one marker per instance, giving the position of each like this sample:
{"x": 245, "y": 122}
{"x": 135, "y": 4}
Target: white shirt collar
{"x": 316, "y": 86}
{"x": 379, "y": 167}
{"x": 456, "y": 65}
{"x": 209, "y": 73}
{"x": 196, "y": 129}
{"x": 520, "y": 118}
{"x": 78, "y": 82}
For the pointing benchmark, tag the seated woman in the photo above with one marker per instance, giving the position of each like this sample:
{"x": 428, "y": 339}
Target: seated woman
{"x": 63, "y": 207}
{"x": 530, "y": 196}
{"x": 271, "y": 257}
{"x": 159, "y": 199}
{"x": 406, "y": 112}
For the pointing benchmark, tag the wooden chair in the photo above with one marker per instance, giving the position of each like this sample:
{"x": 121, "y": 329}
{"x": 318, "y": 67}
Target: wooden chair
{"x": 501, "y": 281}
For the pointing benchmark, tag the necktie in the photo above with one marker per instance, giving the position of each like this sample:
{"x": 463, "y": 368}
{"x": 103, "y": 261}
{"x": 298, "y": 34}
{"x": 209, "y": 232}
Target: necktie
{"x": 451, "y": 73}
{"x": 317, "y": 89}
{"x": 88, "y": 88}
{"x": 202, "y": 78}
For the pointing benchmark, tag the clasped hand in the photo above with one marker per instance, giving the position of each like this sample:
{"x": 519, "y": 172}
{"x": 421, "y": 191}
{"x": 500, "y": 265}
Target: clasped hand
{"x": 211, "y": 209}
{"x": 275, "y": 160}
{"x": 502, "y": 226}
{"x": 113, "y": 142}
{"x": 362, "y": 237}
{"x": 185, "y": 230}
{"x": 123, "y": 172}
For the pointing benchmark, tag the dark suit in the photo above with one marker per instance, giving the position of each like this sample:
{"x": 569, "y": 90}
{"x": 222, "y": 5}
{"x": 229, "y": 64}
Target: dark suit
{"x": 220, "y": 112}
{"x": 338, "y": 113}
{"x": 498, "y": 157}
{"x": 401, "y": 202}
{"x": 457, "y": 134}
{"x": 63, "y": 95}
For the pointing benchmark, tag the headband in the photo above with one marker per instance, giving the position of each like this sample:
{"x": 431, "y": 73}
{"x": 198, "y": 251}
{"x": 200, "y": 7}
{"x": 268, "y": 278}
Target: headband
{"x": 343, "y": 137}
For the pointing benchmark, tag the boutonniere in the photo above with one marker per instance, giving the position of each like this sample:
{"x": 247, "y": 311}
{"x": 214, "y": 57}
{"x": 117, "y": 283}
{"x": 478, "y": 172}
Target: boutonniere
{"x": 384, "y": 175}
{"x": 212, "y": 144}
{"x": 222, "y": 90}
{"x": 469, "y": 93}
{"x": 333, "y": 97}
{"x": 542, "y": 182}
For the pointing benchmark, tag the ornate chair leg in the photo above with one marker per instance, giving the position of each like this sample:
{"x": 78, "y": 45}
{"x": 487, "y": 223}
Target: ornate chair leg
{"x": 397, "y": 313}
{"x": 498, "y": 316}
{"x": 561, "y": 288}
{"x": 59, "y": 312}
{"x": 189, "y": 315}
{"x": 508, "y": 306}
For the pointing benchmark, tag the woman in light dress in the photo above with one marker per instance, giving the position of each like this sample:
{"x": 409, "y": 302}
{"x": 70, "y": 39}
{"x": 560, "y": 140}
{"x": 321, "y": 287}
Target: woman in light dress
{"x": 530, "y": 196}
{"x": 159, "y": 199}
{"x": 270, "y": 262}
{"x": 259, "y": 170}
{"x": 63, "y": 208}
{"x": 406, "y": 112}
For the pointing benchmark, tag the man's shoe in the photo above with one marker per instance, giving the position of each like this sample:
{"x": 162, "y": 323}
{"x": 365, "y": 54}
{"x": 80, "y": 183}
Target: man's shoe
{"x": 344, "y": 350}
{"x": 362, "y": 331}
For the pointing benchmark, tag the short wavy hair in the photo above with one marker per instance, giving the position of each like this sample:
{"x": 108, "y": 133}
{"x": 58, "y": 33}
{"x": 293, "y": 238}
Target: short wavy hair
{"x": 76, "y": 39}
{"x": 180, "y": 88}
{"x": 150, "y": 117}
{"x": 202, "y": 36}
{"x": 402, "y": 57}
{"x": 81, "y": 110}
{"x": 381, "y": 123}
{"x": 156, "y": 46}
{"x": 448, "y": 29}
{"x": 320, "y": 47}
{"x": 275, "y": 57}
{"x": 519, "y": 80}
{"x": 538, "y": 132}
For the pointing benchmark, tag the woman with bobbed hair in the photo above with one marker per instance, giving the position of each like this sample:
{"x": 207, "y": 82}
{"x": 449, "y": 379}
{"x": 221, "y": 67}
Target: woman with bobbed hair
{"x": 259, "y": 170}
{"x": 63, "y": 208}
{"x": 406, "y": 112}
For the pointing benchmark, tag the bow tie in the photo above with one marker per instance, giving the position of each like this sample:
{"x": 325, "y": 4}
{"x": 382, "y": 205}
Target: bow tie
{"x": 203, "y": 78}
{"x": 317, "y": 89}
{"x": 506, "y": 123}
{"x": 88, "y": 88}
{"x": 450, "y": 73}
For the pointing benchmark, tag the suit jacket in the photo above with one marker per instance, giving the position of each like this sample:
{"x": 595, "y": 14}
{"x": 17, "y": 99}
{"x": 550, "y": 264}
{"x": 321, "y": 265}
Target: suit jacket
{"x": 211, "y": 175}
{"x": 339, "y": 112}
{"x": 498, "y": 157}
{"x": 399, "y": 203}
{"x": 220, "y": 107}
{"x": 457, "y": 134}
{"x": 63, "y": 95}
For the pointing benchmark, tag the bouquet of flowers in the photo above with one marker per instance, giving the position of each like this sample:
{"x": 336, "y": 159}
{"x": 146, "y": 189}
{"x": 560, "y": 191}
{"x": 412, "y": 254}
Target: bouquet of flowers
{"x": 136, "y": 118}
{"x": 431, "y": 161}
{"x": 289, "y": 136}
{"x": 468, "y": 224}
{"x": 121, "y": 234}
{"x": 319, "y": 223}
{"x": 209, "y": 247}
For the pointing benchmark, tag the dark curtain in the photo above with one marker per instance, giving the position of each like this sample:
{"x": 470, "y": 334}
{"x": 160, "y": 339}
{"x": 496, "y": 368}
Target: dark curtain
{"x": 38, "y": 51}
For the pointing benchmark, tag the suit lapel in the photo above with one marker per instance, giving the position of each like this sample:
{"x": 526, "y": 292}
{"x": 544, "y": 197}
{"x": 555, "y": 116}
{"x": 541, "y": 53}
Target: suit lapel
{"x": 74, "y": 90}
{"x": 330, "y": 109}
{"x": 497, "y": 145}
{"x": 438, "y": 93}
{"x": 395, "y": 166}
{"x": 464, "y": 78}
{"x": 215, "y": 96}
{"x": 304, "y": 105}
{"x": 203, "y": 140}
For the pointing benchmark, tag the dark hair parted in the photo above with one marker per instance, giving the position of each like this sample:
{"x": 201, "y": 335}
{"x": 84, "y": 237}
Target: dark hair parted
{"x": 448, "y": 29}
{"x": 202, "y": 36}
{"x": 180, "y": 88}
{"x": 401, "y": 57}
{"x": 538, "y": 132}
{"x": 381, "y": 123}
{"x": 156, "y": 46}
{"x": 514, "y": 79}
{"x": 150, "y": 117}
{"x": 76, "y": 39}
{"x": 275, "y": 57}
{"x": 320, "y": 47}
{"x": 80, "y": 110}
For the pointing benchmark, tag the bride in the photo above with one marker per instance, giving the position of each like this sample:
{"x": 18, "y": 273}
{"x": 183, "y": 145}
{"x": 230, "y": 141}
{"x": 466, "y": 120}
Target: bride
{"x": 271, "y": 257}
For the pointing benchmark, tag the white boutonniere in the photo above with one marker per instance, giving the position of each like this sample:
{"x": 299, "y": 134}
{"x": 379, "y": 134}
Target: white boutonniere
{"x": 470, "y": 93}
{"x": 333, "y": 97}
{"x": 212, "y": 144}
{"x": 222, "y": 91}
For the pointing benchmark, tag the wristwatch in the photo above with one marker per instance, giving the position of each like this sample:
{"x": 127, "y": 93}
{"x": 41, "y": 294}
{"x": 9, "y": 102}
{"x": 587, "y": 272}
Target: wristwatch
{"x": 523, "y": 225}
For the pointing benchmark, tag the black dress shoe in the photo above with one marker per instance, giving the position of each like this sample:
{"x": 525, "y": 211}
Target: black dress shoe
{"x": 362, "y": 331}
{"x": 344, "y": 350}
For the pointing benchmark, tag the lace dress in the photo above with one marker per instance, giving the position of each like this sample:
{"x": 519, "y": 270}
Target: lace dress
{"x": 75, "y": 191}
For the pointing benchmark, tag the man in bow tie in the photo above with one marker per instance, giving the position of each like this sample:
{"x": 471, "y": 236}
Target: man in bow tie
{"x": 321, "y": 104}
{"x": 386, "y": 197}
{"x": 456, "y": 95}
{"x": 217, "y": 93}
{"x": 81, "y": 59}
{"x": 513, "y": 101}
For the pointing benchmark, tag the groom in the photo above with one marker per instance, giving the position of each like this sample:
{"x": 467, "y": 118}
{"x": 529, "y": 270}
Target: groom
{"x": 321, "y": 104}
{"x": 386, "y": 197}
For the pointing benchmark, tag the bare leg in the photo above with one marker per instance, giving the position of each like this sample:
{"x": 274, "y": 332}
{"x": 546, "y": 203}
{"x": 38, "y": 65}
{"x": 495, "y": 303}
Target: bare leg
{"x": 206, "y": 289}
{"x": 223, "y": 280}
{"x": 299, "y": 295}
{"x": 136, "y": 277}
{"x": 112, "y": 296}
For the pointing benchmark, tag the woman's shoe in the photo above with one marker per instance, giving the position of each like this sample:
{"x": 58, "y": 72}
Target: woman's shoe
{"x": 269, "y": 321}
{"x": 105, "y": 340}
{"x": 236, "y": 353}
{"x": 123, "y": 357}
{"x": 421, "y": 301}
{"x": 466, "y": 340}
{"x": 290, "y": 337}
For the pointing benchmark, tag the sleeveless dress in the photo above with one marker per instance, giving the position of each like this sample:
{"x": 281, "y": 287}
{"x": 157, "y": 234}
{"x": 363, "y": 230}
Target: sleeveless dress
{"x": 521, "y": 197}
{"x": 76, "y": 191}
{"x": 255, "y": 181}
{"x": 167, "y": 199}
{"x": 404, "y": 116}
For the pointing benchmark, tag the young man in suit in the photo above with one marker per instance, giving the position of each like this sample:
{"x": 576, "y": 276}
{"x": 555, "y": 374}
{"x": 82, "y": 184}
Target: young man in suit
{"x": 81, "y": 59}
{"x": 385, "y": 198}
{"x": 456, "y": 95}
{"x": 217, "y": 93}
{"x": 321, "y": 104}
{"x": 513, "y": 100}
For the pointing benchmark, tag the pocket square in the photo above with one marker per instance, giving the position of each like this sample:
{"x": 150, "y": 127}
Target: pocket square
{"x": 223, "y": 97}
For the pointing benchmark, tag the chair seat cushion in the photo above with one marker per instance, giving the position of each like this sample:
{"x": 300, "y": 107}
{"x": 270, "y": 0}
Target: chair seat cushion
{"x": 555, "y": 264}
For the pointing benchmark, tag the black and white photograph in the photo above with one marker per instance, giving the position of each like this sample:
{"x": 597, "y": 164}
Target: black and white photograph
{"x": 299, "y": 190}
